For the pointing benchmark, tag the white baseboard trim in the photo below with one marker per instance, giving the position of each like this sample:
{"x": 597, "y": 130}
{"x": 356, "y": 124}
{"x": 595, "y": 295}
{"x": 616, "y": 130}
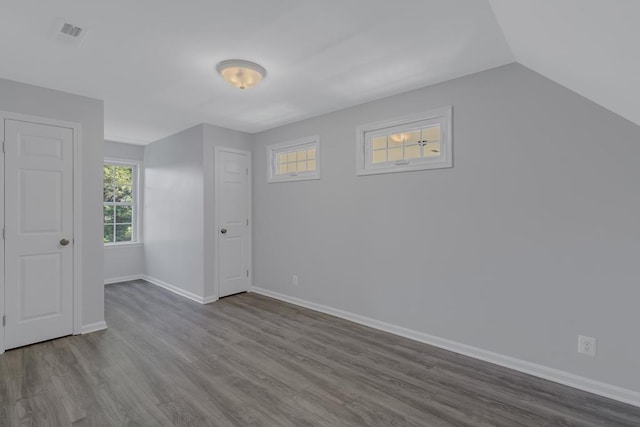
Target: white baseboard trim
{"x": 207, "y": 300}
{"x": 179, "y": 291}
{"x": 582, "y": 383}
{"x": 122, "y": 279}
{"x": 93, "y": 327}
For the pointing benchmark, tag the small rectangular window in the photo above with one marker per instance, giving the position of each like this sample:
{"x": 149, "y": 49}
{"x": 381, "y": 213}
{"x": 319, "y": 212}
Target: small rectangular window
{"x": 119, "y": 189}
{"x": 415, "y": 142}
{"x": 294, "y": 160}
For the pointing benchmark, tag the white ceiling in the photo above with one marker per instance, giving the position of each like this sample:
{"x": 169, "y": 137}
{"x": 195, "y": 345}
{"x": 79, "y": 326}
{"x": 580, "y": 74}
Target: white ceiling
{"x": 152, "y": 61}
{"x": 590, "y": 46}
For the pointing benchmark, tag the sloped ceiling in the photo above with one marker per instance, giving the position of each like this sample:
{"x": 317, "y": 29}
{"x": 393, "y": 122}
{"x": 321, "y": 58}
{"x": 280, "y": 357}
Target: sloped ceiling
{"x": 589, "y": 46}
{"x": 152, "y": 61}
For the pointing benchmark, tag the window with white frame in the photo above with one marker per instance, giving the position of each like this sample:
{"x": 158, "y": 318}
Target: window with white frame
{"x": 119, "y": 185}
{"x": 416, "y": 142}
{"x": 294, "y": 160}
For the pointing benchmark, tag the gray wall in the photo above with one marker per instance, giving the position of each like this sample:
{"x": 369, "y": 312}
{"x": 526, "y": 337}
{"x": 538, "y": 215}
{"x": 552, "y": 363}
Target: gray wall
{"x": 122, "y": 263}
{"x": 179, "y": 171}
{"x": 26, "y": 99}
{"x": 120, "y": 150}
{"x": 529, "y": 240}
{"x": 126, "y": 261}
{"x": 173, "y": 210}
{"x": 215, "y": 136}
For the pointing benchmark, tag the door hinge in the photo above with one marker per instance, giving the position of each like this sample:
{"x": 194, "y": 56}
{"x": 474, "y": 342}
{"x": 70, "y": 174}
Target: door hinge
{"x": 4, "y": 320}
{"x": 3, "y": 147}
{"x": 247, "y": 222}
{"x": 247, "y": 273}
{"x": 247, "y": 171}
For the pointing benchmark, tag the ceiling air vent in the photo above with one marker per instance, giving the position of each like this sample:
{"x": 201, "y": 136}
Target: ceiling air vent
{"x": 62, "y": 31}
{"x": 71, "y": 30}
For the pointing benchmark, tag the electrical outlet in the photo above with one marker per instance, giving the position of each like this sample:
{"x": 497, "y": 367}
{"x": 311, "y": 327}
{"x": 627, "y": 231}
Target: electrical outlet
{"x": 587, "y": 345}
{"x": 294, "y": 280}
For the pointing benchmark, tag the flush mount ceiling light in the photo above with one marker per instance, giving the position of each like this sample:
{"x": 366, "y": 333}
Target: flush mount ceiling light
{"x": 242, "y": 74}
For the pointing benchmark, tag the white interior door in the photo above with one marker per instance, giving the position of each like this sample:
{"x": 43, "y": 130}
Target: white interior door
{"x": 233, "y": 208}
{"x": 38, "y": 232}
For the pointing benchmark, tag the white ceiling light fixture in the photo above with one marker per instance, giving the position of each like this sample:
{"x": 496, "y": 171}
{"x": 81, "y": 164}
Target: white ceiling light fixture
{"x": 240, "y": 73}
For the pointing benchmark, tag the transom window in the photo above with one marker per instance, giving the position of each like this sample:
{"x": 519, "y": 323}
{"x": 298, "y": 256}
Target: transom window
{"x": 299, "y": 160}
{"x": 119, "y": 207}
{"x": 414, "y": 142}
{"x": 294, "y": 160}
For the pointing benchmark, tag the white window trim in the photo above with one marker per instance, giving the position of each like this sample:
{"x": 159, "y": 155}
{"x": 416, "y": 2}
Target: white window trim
{"x": 445, "y": 160}
{"x": 123, "y": 244}
{"x": 136, "y": 239}
{"x": 300, "y": 176}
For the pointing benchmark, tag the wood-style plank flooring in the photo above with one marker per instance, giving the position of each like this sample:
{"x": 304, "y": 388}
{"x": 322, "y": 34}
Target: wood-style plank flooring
{"x": 248, "y": 360}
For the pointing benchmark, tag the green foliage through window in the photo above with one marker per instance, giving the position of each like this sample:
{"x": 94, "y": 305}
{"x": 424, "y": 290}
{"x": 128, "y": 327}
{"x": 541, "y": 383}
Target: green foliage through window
{"x": 118, "y": 209}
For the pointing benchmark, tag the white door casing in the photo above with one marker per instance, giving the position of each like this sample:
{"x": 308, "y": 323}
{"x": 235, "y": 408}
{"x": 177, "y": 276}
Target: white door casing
{"x": 233, "y": 209}
{"x": 39, "y": 232}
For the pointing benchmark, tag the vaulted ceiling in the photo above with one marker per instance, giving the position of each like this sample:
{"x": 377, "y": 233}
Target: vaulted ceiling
{"x": 153, "y": 61}
{"x": 590, "y": 46}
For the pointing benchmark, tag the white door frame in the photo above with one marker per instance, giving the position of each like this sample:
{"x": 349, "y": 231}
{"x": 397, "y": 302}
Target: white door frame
{"x": 77, "y": 214}
{"x": 216, "y": 200}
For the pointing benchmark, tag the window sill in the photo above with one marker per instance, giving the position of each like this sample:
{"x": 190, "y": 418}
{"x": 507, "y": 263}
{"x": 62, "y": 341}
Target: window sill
{"x": 293, "y": 178}
{"x": 123, "y": 245}
{"x": 447, "y": 163}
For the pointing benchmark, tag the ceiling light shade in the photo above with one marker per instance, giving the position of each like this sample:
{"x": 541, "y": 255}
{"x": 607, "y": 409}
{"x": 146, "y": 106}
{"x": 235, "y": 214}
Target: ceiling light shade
{"x": 241, "y": 74}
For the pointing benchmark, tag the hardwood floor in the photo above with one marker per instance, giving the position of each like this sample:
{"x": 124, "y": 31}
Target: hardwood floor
{"x": 250, "y": 360}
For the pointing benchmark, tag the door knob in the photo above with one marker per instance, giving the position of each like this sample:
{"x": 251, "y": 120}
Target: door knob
{"x": 64, "y": 242}
{"x": 223, "y": 231}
